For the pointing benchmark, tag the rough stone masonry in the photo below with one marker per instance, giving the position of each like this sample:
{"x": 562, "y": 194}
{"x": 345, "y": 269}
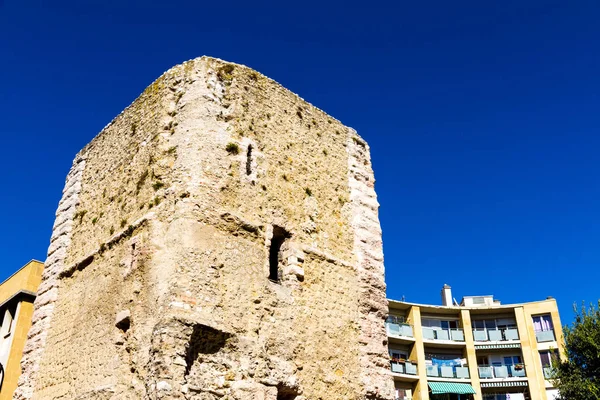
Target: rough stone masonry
{"x": 219, "y": 239}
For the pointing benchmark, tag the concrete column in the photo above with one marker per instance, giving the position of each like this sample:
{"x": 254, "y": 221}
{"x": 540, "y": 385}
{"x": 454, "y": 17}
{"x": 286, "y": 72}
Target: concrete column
{"x": 465, "y": 319}
{"x": 535, "y": 378}
{"x": 418, "y": 353}
{"x": 558, "y": 332}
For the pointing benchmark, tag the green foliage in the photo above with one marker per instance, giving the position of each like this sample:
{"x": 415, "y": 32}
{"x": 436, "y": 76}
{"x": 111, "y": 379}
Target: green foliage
{"x": 232, "y": 148}
{"x": 225, "y": 72}
{"x": 157, "y": 185}
{"x": 79, "y": 215}
{"x": 578, "y": 377}
{"x": 172, "y": 150}
{"x": 141, "y": 180}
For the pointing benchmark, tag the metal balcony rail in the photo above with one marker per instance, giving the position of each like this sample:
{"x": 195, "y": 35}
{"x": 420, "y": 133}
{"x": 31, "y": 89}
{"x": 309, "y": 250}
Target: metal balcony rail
{"x": 448, "y": 371}
{"x": 501, "y": 371}
{"x": 455, "y": 334}
{"x": 495, "y": 335}
{"x": 545, "y": 336}
{"x": 399, "y": 329}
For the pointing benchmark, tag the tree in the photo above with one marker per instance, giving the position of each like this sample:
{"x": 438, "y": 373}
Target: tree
{"x": 577, "y": 376}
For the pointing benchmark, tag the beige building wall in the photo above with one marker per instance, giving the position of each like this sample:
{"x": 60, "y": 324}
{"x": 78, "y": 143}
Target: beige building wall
{"x": 17, "y": 294}
{"x": 157, "y": 281}
{"x": 529, "y": 346}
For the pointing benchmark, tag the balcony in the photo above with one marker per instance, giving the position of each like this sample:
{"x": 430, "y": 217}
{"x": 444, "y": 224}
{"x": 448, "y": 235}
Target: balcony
{"x": 454, "y": 335}
{"x": 548, "y": 373}
{"x": 545, "y": 336}
{"x": 496, "y": 335}
{"x": 448, "y": 371}
{"x": 501, "y": 371}
{"x": 399, "y": 329}
{"x": 404, "y": 367}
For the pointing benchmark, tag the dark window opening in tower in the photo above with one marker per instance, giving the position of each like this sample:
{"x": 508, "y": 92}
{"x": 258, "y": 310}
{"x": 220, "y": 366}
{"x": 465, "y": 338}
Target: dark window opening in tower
{"x": 249, "y": 160}
{"x": 279, "y": 237}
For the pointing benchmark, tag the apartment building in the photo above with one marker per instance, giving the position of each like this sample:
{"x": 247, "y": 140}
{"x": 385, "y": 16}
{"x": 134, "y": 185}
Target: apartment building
{"x": 17, "y": 294}
{"x": 479, "y": 349}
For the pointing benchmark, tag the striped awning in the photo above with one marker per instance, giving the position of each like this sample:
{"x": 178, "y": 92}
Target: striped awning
{"x": 503, "y": 384}
{"x": 450, "y": 387}
{"x": 498, "y": 346}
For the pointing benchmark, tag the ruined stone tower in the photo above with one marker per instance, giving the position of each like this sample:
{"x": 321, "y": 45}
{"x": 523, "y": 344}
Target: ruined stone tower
{"x": 219, "y": 239}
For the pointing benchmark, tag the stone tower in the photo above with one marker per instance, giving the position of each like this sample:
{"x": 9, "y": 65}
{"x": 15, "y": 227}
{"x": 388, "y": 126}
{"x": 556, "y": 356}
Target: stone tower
{"x": 219, "y": 239}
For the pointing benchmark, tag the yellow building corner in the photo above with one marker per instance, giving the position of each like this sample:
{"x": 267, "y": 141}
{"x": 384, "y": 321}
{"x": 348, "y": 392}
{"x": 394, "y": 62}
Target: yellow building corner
{"x": 17, "y": 294}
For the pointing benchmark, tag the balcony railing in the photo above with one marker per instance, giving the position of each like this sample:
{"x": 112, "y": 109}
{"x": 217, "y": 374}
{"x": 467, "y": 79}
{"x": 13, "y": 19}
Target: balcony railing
{"x": 404, "y": 367}
{"x": 448, "y": 371}
{"x": 495, "y": 335}
{"x": 545, "y": 336}
{"x": 549, "y": 372}
{"x": 501, "y": 371}
{"x": 495, "y": 396}
{"x": 399, "y": 329}
{"x": 455, "y": 335}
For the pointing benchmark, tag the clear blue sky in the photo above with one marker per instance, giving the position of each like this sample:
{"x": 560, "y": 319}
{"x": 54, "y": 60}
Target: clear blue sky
{"x": 483, "y": 120}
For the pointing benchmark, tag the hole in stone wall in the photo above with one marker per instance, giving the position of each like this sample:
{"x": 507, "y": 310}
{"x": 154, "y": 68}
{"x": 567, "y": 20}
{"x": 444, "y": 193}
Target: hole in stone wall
{"x": 286, "y": 393}
{"x": 249, "y": 160}
{"x": 279, "y": 237}
{"x": 204, "y": 340}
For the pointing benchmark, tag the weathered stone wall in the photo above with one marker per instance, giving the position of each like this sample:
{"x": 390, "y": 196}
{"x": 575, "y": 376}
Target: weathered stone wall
{"x": 160, "y": 282}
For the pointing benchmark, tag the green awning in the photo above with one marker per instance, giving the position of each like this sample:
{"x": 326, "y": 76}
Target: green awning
{"x": 450, "y": 387}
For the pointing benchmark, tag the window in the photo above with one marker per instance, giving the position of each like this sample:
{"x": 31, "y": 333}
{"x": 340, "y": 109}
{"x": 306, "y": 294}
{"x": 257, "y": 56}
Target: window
{"x": 249, "y": 160}
{"x": 548, "y": 357}
{"x": 542, "y": 323}
{"x": 395, "y": 320}
{"x": 512, "y": 360}
{"x": 279, "y": 237}
{"x": 398, "y": 355}
{"x": 493, "y": 324}
{"x": 439, "y": 324}
{"x": 449, "y": 324}
{"x": 8, "y": 320}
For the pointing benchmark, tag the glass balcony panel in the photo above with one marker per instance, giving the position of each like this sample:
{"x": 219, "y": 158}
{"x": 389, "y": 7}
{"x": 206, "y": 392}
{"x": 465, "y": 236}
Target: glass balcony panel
{"x": 548, "y": 372}
{"x": 428, "y": 333}
{"x": 462, "y": 372}
{"x": 432, "y": 370}
{"x": 398, "y": 368}
{"x": 517, "y": 372}
{"x": 486, "y": 372}
{"x": 406, "y": 330}
{"x": 495, "y": 335}
{"x": 511, "y": 334}
{"x": 442, "y": 334}
{"x": 457, "y": 335}
{"x": 545, "y": 336}
{"x": 447, "y": 372}
{"x": 480, "y": 336}
{"x": 410, "y": 368}
{"x": 393, "y": 329}
{"x": 501, "y": 371}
